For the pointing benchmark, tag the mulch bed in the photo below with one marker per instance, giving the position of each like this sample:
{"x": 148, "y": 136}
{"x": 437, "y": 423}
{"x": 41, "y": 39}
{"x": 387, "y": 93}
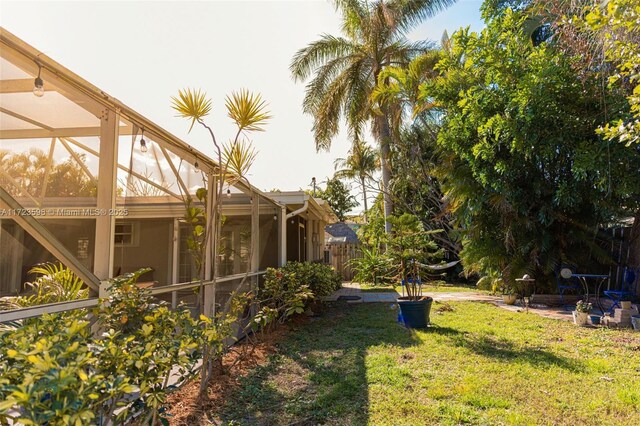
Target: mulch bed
{"x": 187, "y": 408}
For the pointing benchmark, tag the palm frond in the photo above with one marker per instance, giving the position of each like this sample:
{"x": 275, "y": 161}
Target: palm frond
{"x": 410, "y": 13}
{"x": 354, "y": 16}
{"x": 317, "y": 53}
{"x": 54, "y": 283}
{"x": 191, "y": 104}
{"x": 248, "y": 110}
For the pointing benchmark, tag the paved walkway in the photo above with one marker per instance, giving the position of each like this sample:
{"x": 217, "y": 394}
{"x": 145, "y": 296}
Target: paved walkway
{"x": 351, "y": 290}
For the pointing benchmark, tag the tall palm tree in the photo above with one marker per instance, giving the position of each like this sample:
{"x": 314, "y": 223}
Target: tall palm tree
{"x": 360, "y": 164}
{"x": 347, "y": 67}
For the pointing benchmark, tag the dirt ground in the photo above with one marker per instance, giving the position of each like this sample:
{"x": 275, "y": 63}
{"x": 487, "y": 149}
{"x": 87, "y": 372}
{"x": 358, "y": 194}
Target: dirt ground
{"x": 184, "y": 405}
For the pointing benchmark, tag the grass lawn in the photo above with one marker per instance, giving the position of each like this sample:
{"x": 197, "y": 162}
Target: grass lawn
{"x": 426, "y": 288}
{"x": 478, "y": 364}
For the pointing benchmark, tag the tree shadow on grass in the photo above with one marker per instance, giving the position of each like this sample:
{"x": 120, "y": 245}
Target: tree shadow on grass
{"x": 505, "y": 350}
{"x": 319, "y": 373}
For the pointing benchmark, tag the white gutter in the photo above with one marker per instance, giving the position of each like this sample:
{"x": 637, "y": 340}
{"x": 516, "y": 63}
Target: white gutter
{"x": 300, "y": 210}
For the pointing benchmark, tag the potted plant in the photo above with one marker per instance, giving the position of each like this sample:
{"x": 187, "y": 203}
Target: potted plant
{"x": 509, "y": 294}
{"x": 581, "y": 314}
{"x": 408, "y": 245}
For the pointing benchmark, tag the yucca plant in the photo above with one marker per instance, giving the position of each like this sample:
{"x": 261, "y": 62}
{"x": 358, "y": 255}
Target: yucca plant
{"x": 234, "y": 159}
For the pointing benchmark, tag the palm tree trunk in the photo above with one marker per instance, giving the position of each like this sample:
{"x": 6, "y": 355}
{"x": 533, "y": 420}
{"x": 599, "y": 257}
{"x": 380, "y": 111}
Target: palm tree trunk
{"x": 384, "y": 141}
{"x": 364, "y": 197}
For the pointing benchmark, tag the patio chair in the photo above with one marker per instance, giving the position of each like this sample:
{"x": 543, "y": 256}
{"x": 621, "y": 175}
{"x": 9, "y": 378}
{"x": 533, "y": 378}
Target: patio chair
{"x": 628, "y": 288}
{"x": 567, "y": 282}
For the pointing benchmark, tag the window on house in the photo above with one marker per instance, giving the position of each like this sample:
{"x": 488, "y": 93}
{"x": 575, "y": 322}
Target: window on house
{"x": 126, "y": 234}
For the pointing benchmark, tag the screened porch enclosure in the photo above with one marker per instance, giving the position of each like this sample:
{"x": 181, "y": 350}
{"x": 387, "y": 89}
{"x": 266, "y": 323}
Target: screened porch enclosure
{"x": 90, "y": 183}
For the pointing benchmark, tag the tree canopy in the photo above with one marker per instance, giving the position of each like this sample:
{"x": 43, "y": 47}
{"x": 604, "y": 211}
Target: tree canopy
{"x": 339, "y": 198}
{"x": 524, "y": 172}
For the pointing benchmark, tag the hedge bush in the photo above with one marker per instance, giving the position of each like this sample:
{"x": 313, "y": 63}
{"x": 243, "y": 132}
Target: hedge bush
{"x": 54, "y": 370}
{"x": 288, "y": 290}
{"x": 321, "y": 279}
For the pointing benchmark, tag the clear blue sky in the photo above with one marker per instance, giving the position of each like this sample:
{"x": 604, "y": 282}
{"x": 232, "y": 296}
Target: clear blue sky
{"x": 143, "y": 52}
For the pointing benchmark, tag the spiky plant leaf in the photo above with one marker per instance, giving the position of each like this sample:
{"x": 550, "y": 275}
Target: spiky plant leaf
{"x": 239, "y": 157}
{"x": 248, "y": 110}
{"x": 191, "y": 104}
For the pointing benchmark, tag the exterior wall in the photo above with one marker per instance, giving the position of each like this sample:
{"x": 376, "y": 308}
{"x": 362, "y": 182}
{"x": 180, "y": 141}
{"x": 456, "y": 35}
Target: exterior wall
{"x": 151, "y": 247}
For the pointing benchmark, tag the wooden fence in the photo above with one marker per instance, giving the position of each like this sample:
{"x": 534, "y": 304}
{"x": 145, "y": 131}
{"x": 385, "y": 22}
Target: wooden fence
{"x": 338, "y": 256}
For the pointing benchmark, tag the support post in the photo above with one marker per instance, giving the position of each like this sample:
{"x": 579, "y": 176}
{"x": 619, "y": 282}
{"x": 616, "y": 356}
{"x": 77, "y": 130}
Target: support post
{"x": 175, "y": 260}
{"x": 309, "y": 229}
{"x": 283, "y": 236}
{"x": 105, "y": 223}
{"x": 209, "y": 299}
{"x": 255, "y": 236}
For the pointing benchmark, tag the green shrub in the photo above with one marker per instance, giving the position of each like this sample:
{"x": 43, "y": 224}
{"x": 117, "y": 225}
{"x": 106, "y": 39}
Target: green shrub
{"x": 54, "y": 283}
{"x": 288, "y": 290}
{"x": 144, "y": 339}
{"x": 372, "y": 268}
{"x": 56, "y": 372}
{"x": 282, "y": 295}
{"x": 493, "y": 284}
{"x": 48, "y": 370}
{"x": 321, "y": 279}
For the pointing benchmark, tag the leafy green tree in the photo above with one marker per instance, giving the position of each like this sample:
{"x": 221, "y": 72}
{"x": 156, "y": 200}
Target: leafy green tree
{"x": 346, "y": 69}
{"x": 338, "y": 196}
{"x": 523, "y": 170}
{"x": 361, "y": 164}
{"x": 67, "y": 179}
{"x": 619, "y": 19}
{"x": 372, "y": 233}
{"x": 604, "y": 39}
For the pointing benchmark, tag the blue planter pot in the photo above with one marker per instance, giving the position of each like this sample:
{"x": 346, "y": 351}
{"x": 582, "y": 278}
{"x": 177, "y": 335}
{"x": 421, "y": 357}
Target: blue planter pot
{"x": 595, "y": 319}
{"x": 415, "y": 313}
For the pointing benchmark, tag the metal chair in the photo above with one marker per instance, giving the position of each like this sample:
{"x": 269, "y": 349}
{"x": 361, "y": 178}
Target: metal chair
{"x": 628, "y": 288}
{"x": 567, "y": 282}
